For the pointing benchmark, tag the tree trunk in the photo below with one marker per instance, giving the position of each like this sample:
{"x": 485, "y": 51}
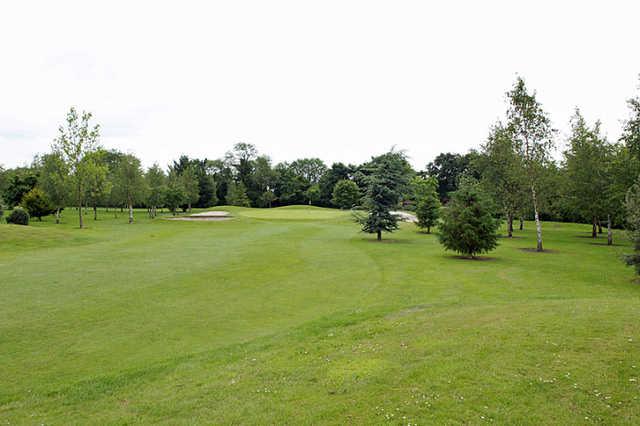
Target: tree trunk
{"x": 57, "y": 215}
{"x": 521, "y": 223}
{"x": 189, "y": 206}
{"x": 379, "y": 235}
{"x": 609, "y": 231}
{"x": 599, "y": 226}
{"x": 510, "y": 224}
{"x": 594, "y": 232}
{"x": 428, "y": 229}
{"x": 79, "y": 189}
{"x": 537, "y": 216}
{"x": 95, "y": 212}
{"x": 130, "y": 212}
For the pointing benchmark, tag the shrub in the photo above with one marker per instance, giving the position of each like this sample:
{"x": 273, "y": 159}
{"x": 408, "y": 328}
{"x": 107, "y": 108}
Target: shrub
{"x": 18, "y": 216}
{"x": 37, "y": 203}
{"x": 632, "y": 205}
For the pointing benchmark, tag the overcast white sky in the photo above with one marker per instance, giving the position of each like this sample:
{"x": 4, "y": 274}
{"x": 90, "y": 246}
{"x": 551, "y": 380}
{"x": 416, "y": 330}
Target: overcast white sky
{"x": 340, "y": 80}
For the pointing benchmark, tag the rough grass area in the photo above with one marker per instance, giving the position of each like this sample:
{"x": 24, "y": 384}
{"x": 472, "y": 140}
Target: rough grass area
{"x": 291, "y": 316}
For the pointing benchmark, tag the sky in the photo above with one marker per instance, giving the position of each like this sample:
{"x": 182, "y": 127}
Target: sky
{"x": 339, "y": 80}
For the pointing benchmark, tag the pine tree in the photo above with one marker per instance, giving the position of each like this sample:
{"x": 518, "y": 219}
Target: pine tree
{"x": 387, "y": 179}
{"x": 428, "y": 211}
{"x": 468, "y": 225}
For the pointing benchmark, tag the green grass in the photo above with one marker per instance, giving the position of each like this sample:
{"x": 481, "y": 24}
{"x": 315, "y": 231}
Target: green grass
{"x": 291, "y": 316}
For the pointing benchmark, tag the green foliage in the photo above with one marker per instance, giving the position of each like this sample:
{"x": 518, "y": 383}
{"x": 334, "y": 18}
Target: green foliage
{"x": 503, "y": 176}
{"x": 54, "y": 179}
{"x": 346, "y": 194}
{"x": 174, "y": 195}
{"x": 447, "y": 168}
{"x": 191, "y": 186}
{"x": 631, "y": 129}
{"x": 19, "y": 181}
{"x": 237, "y": 195}
{"x": 155, "y": 181}
{"x": 427, "y": 203}
{"x": 327, "y": 182}
{"x": 468, "y": 226}
{"x": 313, "y": 194}
{"x": 18, "y": 216}
{"x": 37, "y": 203}
{"x": 75, "y": 141}
{"x": 632, "y": 205}
{"x": 587, "y": 175}
{"x": 388, "y": 177}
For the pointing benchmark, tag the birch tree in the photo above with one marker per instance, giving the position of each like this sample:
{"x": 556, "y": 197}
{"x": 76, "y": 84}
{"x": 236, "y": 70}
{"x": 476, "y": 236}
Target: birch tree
{"x": 75, "y": 140}
{"x": 530, "y": 128}
{"x": 131, "y": 182}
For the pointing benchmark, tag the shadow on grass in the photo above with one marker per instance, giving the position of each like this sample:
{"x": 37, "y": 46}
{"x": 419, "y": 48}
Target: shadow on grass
{"x": 387, "y": 241}
{"x": 533, "y": 250}
{"x": 604, "y": 243}
{"x": 469, "y": 258}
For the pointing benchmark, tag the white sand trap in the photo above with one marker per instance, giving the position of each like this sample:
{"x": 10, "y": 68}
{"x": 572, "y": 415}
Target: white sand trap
{"x": 212, "y": 215}
{"x": 404, "y": 216}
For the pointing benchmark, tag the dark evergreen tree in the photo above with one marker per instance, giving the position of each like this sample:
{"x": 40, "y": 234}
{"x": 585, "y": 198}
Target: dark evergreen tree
{"x": 468, "y": 226}
{"x": 388, "y": 177}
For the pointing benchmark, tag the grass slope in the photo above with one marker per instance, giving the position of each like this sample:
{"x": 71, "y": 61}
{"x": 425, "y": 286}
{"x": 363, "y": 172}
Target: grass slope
{"x": 291, "y": 316}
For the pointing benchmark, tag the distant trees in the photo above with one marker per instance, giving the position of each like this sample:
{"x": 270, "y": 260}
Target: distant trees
{"x": 530, "y": 129}
{"x": 586, "y": 171}
{"x": 155, "y": 181}
{"x": 98, "y": 186}
{"x": 237, "y": 195}
{"x": 75, "y": 140}
{"x": 387, "y": 178}
{"x": 468, "y": 226}
{"x": 503, "y": 176}
{"x": 130, "y": 182}
{"x": 447, "y": 169}
{"x": 631, "y": 129}
{"x": 346, "y": 194}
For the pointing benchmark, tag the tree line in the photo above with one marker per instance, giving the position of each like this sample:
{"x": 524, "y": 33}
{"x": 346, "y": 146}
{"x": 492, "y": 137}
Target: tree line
{"x": 514, "y": 169}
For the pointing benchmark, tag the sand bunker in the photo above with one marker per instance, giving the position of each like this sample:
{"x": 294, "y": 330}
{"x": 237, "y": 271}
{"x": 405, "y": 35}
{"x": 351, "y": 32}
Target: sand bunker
{"x": 204, "y": 216}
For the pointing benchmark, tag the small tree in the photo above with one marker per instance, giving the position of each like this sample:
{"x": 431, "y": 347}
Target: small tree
{"x": 73, "y": 143}
{"x": 54, "y": 180}
{"x": 468, "y": 225}
{"x": 428, "y": 210}
{"x": 191, "y": 187}
{"x": 632, "y": 205}
{"x": 237, "y": 195}
{"x": 346, "y": 194}
{"x": 37, "y": 203}
{"x": 174, "y": 195}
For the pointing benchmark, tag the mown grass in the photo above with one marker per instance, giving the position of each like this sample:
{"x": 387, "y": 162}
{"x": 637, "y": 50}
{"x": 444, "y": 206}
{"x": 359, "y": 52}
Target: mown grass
{"x": 291, "y": 316}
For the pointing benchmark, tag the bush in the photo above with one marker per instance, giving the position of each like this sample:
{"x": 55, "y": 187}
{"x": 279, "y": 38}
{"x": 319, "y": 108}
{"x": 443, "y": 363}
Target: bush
{"x": 468, "y": 225}
{"x": 18, "y": 216}
{"x": 37, "y": 203}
